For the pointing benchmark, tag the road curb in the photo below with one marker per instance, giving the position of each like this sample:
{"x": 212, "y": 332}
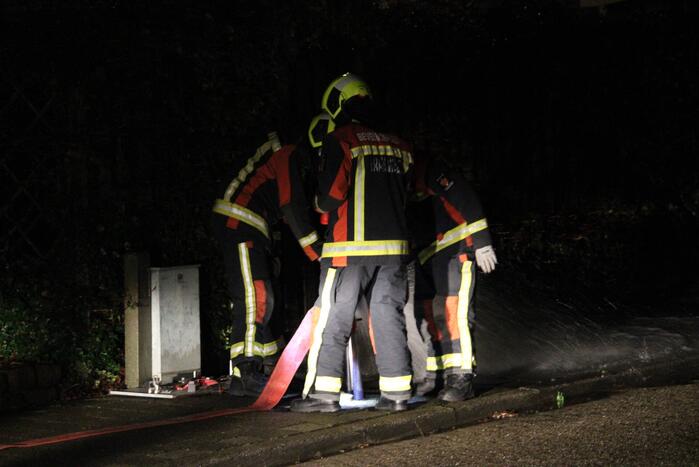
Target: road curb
{"x": 434, "y": 417}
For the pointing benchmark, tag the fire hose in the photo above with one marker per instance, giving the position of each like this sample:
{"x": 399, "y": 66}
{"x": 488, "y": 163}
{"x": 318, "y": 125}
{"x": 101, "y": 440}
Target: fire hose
{"x": 284, "y": 371}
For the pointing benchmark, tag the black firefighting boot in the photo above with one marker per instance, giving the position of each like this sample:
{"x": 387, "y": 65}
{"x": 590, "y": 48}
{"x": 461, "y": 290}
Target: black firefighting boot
{"x": 311, "y": 404}
{"x": 427, "y": 385}
{"x": 251, "y": 381}
{"x": 458, "y": 387}
{"x": 390, "y": 405}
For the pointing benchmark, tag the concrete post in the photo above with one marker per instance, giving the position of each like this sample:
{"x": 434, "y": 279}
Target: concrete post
{"x": 137, "y": 338}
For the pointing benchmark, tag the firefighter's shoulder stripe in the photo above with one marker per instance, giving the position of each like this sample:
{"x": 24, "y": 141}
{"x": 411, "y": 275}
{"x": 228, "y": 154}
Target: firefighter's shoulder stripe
{"x": 451, "y": 237}
{"x": 248, "y": 168}
{"x": 226, "y": 207}
{"x": 243, "y": 214}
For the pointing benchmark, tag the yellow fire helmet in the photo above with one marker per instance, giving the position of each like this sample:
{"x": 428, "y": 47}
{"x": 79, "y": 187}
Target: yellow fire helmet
{"x": 341, "y": 90}
{"x": 321, "y": 125}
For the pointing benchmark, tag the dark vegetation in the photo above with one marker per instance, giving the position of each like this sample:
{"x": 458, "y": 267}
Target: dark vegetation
{"x": 118, "y": 124}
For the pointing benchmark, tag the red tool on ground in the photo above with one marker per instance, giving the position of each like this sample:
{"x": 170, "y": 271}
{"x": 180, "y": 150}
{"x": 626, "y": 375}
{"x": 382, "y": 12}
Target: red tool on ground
{"x": 283, "y": 373}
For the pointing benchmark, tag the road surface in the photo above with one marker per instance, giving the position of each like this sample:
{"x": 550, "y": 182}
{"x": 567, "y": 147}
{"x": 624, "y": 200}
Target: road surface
{"x": 647, "y": 426}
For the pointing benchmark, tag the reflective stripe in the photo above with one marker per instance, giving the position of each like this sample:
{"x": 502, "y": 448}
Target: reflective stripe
{"x": 451, "y": 237}
{"x": 250, "y": 299}
{"x": 258, "y": 350}
{"x": 242, "y": 214}
{"x": 328, "y": 384}
{"x": 375, "y": 150}
{"x": 442, "y": 362}
{"x": 407, "y": 160}
{"x": 237, "y": 349}
{"x": 420, "y": 195}
{"x": 366, "y": 248}
{"x": 395, "y": 383}
{"x": 318, "y": 331}
{"x": 270, "y": 348}
{"x": 246, "y": 170}
{"x": 381, "y": 150}
{"x": 359, "y": 201}
{"x": 344, "y": 81}
{"x": 308, "y": 239}
{"x": 462, "y": 314}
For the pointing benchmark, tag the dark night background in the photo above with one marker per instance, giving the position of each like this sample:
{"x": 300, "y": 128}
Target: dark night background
{"x": 118, "y": 125}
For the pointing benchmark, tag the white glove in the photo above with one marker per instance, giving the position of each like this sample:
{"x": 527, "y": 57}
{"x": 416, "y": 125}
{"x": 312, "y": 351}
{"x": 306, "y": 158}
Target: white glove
{"x": 486, "y": 259}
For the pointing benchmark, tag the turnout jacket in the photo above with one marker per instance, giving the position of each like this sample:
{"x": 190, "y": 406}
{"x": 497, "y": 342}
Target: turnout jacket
{"x": 362, "y": 184}
{"x": 267, "y": 188}
{"x": 446, "y": 215}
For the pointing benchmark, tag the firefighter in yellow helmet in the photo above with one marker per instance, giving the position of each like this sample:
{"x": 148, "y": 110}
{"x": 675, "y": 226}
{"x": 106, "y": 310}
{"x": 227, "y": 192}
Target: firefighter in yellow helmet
{"x": 362, "y": 185}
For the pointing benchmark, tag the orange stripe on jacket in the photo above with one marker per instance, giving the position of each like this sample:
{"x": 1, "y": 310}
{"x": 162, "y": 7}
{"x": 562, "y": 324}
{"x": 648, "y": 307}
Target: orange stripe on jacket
{"x": 281, "y": 169}
{"x": 312, "y": 255}
{"x": 456, "y": 217}
{"x": 340, "y": 233}
{"x": 340, "y": 185}
{"x": 262, "y": 174}
{"x": 452, "y": 211}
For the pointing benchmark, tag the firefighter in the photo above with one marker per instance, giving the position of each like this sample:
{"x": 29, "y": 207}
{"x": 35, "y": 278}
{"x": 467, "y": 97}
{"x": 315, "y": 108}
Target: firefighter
{"x": 266, "y": 188}
{"x": 452, "y": 236}
{"x": 362, "y": 185}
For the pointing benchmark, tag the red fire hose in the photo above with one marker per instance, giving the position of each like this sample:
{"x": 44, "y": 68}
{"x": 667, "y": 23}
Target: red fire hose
{"x": 284, "y": 371}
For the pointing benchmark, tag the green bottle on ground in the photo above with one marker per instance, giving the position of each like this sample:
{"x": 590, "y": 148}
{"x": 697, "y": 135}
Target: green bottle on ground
{"x": 560, "y": 400}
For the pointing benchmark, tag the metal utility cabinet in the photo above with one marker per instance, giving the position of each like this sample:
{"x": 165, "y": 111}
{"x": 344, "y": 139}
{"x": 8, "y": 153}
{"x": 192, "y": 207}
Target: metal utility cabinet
{"x": 162, "y": 330}
{"x": 175, "y": 332}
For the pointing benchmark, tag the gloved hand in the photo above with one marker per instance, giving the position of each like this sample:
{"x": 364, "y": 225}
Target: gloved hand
{"x": 315, "y": 206}
{"x": 486, "y": 259}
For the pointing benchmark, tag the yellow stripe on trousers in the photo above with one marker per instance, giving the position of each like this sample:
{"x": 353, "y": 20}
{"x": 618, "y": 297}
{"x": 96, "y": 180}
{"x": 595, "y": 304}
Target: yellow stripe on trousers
{"x": 462, "y": 316}
{"x": 259, "y": 349}
{"x": 328, "y": 384}
{"x": 250, "y": 305}
{"x": 318, "y": 331}
{"x": 394, "y": 383}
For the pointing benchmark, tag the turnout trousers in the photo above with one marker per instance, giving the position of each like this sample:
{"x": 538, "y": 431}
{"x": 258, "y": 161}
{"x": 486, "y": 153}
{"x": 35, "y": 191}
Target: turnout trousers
{"x": 445, "y": 314}
{"x": 248, "y": 281}
{"x": 386, "y": 289}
